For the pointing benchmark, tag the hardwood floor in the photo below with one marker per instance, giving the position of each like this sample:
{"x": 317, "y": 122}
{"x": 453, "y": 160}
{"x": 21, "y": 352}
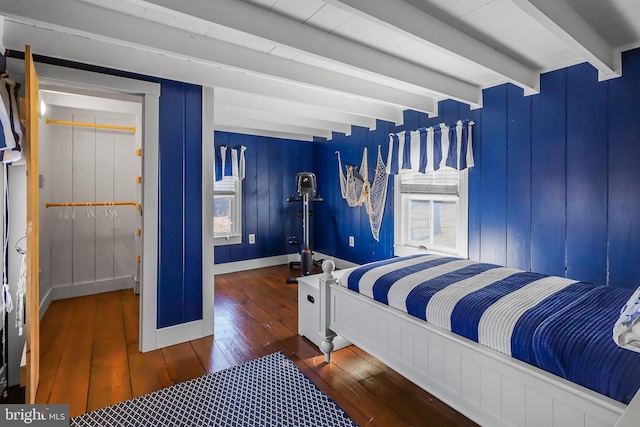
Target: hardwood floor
{"x": 90, "y": 357}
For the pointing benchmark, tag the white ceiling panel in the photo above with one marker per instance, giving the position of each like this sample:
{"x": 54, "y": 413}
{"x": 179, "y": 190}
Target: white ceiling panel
{"x": 328, "y": 18}
{"x": 298, "y": 10}
{"x": 186, "y": 23}
{"x": 453, "y": 8}
{"x": 502, "y": 21}
{"x": 129, "y": 7}
{"x": 356, "y": 28}
{"x": 284, "y": 52}
{"x": 543, "y": 46}
{"x": 266, "y": 4}
{"x": 240, "y": 38}
{"x": 386, "y": 40}
{"x": 556, "y": 62}
{"x": 430, "y": 58}
{"x": 619, "y": 30}
{"x": 303, "y": 68}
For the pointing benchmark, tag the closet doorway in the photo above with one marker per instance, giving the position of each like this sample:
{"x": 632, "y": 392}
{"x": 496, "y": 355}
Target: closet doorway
{"x": 110, "y": 89}
{"x": 90, "y": 192}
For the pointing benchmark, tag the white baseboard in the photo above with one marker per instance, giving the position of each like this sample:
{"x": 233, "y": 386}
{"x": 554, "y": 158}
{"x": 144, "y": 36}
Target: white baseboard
{"x": 250, "y": 264}
{"x": 45, "y": 302}
{"x": 90, "y": 288}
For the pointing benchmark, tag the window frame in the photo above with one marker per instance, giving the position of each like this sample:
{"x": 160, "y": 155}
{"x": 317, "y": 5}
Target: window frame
{"x": 403, "y": 245}
{"x": 235, "y": 236}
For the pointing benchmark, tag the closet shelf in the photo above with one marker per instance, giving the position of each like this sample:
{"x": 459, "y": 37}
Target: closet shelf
{"x": 91, "y": 125}
{"x": 89, "y": 204}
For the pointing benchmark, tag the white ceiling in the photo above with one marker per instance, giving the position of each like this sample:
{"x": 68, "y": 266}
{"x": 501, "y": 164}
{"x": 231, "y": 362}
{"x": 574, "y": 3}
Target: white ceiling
{"x": 304, "y": 68}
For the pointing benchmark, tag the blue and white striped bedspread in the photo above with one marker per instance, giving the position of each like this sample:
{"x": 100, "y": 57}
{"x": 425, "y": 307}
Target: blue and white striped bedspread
{"x": 517, "y": 313}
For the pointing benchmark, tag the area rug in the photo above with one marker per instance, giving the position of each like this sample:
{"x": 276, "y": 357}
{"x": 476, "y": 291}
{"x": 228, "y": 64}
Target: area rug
{"x": 269, "y": 391}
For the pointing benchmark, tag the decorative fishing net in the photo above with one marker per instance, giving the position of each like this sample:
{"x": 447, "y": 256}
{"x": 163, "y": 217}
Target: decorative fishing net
{"x": 357, "y": 190}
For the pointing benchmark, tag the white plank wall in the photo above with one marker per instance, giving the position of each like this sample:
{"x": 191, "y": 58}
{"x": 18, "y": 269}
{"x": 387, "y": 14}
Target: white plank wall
{"x": 83, "y": 184}
{"x": 128, "y": 167}
{"x": 104, "y": 191}
{"x": 59, "y": 186}
{"x": 91, "y": 253}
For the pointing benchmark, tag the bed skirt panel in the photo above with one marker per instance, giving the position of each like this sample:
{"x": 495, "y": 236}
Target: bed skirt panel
{"x": 485, "y": 385}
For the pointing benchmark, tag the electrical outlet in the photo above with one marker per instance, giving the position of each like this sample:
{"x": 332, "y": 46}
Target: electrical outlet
{"x": 351, "y": 241}
{"x": 252, "y": 239}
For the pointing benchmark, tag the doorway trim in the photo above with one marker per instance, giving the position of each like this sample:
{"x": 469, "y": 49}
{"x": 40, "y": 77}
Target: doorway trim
{"x": 150, "y": 336}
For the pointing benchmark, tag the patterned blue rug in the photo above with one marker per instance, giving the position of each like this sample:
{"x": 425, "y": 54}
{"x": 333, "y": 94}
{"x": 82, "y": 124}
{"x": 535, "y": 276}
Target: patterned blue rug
{"x": 269, "y": 391}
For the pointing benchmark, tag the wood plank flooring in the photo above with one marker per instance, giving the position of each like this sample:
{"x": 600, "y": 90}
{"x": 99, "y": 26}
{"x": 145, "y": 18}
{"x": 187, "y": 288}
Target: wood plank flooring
{"x": 90, "y": 358}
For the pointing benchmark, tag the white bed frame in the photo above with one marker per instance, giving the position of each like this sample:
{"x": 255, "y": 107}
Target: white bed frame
{"x": 487, "y": 386}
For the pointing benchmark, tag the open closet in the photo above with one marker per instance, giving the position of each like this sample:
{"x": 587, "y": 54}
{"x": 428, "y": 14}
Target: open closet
{"x": 75, "y": 200}
{"x": 89, "y": 191}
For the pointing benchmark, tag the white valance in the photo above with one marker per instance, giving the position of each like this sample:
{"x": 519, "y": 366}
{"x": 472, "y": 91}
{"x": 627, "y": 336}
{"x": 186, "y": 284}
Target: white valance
{"x": 229, "y": 162}
{"x": 428, "y": 149}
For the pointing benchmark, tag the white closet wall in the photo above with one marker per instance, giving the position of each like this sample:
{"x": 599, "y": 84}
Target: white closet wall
{"x": 91, "y": 249}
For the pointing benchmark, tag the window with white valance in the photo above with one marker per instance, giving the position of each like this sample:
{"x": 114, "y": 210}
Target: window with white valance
{"x": 431, "y": 181}
{"x": 229, "y": 171}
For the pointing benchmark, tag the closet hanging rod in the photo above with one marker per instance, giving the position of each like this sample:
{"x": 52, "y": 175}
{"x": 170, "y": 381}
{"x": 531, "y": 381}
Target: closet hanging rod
{"x": 91, "y": 125}
{"x": 89, "y": 204}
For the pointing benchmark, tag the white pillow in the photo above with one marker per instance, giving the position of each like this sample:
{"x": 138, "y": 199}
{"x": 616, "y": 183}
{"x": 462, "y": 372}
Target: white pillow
{"x": 626, "y": 331}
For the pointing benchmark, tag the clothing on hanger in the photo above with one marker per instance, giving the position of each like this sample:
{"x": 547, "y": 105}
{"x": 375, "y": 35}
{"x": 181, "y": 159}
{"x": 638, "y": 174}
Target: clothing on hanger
{"x": 11, "y": 132}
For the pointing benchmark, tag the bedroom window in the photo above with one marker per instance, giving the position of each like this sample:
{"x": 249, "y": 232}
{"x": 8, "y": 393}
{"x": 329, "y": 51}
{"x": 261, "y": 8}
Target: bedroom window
{"x": 227, "y": 211}
{"x": 431, "y": 211}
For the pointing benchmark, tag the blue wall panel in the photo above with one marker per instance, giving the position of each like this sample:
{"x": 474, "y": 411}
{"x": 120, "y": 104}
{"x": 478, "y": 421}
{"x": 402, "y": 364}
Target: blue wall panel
{"x": 171, "y": 153}
{"x": 586, "y": 175}
{"x": 382, "y": 250}
{"x": 548, "y": 174}
{"x": 518, "y": 179}
{"x": 179, "y": 295}
{"x": 250, "y": 197}
{"x": 192, "y": 205}
{"x": 449, "y": 112}
{"x": 262, "y": 212}
{"x": 325, "y": 232}
{"x": 624, "y": 174}
{"x": 475, "y": 189}
{"x": 276, "y": 200}
{"x": 494, "y": 175}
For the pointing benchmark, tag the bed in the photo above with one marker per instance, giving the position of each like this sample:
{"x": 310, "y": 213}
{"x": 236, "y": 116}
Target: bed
{"x": 501, "y": 346}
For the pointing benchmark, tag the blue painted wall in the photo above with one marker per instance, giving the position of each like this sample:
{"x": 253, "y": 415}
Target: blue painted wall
{"x": 180, "y": 204}
{"x": 556, "y": 187}
{"x": 271, "y": 165}
{"x": 335, "y": 222}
